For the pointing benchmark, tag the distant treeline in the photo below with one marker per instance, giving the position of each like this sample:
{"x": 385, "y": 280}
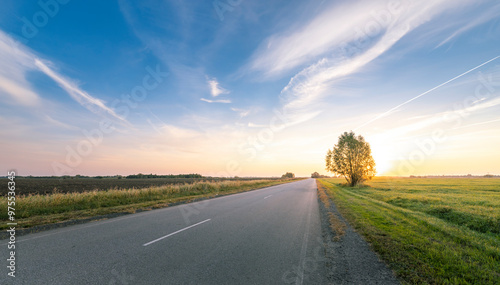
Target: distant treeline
{"x": 71, "y": 184}
{"x": 132, "y": 176}
{"x": 141, "y": 176}
{"x": 317, "y": 175}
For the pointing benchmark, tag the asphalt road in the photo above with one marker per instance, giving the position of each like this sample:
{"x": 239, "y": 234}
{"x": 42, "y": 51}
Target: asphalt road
{"x": 267, "y": 236}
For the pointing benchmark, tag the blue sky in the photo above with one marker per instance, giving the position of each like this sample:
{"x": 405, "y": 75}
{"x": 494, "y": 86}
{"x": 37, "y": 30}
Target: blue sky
{"x": 248, "y": 88}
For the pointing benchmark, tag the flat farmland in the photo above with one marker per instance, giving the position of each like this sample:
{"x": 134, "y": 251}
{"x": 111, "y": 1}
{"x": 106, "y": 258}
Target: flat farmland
{"x": 429, "y": 230}
{"x": 42, "y": 186}
{"x": 85, "y": 198}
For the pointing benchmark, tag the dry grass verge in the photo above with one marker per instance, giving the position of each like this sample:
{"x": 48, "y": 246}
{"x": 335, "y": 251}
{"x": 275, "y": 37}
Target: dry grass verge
{"x": 336, "y": 225}
{"x": 36, "y": 210}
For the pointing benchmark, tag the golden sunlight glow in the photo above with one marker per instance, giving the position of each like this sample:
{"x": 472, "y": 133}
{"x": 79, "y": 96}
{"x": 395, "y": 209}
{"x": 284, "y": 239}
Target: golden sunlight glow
{"x": 383, "y": 157}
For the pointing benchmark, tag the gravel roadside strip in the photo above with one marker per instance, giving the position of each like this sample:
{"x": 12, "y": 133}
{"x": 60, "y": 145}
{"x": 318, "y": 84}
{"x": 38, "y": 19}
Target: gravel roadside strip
{"x": 350, "y": 259}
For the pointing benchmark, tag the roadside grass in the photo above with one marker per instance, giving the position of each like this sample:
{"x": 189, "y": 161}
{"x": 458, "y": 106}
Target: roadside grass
{"x": 336, "y": 225}
{"x": 35, "y": 210}
{"x": 429, "y": 231}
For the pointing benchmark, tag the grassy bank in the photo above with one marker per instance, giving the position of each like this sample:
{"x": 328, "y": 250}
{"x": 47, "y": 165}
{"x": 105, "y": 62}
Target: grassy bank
{"x": 430, "y": 231}
{"x": 34, "y": 210}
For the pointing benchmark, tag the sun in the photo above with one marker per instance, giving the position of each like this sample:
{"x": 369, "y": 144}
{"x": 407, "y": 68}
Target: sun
{"x": 383, "y": 156}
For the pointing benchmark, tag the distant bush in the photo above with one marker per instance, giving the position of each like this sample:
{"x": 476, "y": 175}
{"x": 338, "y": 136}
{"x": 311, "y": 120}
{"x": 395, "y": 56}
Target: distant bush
{"x": 317, "y": 175}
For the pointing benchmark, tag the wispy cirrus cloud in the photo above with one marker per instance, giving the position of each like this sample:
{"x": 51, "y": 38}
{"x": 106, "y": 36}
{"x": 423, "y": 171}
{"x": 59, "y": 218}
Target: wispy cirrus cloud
{"x": 91, "y": 103}
{"x": 487, "y": 16}
{"x": 16, "y": 63}
{"x": 18, "y": 60}
{"x": 445, "y": 119}
{"x": 58, "y": 123}
{"x": 224, "y": 101}
{"x": 352, "y": 23}
{"x": 364, "y": 30}
{"x": 253, "y": 125}
{"x": 284, "y": 51}
{"x": 242, "y": 112}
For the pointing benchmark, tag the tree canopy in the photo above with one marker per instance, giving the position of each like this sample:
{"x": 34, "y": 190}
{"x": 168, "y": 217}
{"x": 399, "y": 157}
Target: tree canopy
{"x": 351, "y": 157}
{"x": 317, "y": 175}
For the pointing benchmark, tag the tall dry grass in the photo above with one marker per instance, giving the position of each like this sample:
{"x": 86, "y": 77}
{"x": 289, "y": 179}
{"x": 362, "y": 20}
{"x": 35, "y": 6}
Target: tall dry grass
{"x": 56, "y": 203}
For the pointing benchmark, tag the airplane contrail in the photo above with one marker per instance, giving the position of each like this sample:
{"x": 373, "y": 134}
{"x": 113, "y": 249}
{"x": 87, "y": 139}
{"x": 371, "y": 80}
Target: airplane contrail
{"x": 422, "y": 94}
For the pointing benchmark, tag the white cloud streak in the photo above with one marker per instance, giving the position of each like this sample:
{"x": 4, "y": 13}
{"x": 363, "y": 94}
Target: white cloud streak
{"x": 447, "y": 117}
{"x": 488, "y": 15}
{"x": 58, "y": 123}
{"x": 478, "y": 124}
{"x": 224, "y": 101}
{"x": 17, "y": 61}
{"x": 282, "y": 52}
{"x": 242, "y": 112}
{"x": 75, "y": 92}
{"x": 342, "y": 41}
{"x": 253, "y": 125}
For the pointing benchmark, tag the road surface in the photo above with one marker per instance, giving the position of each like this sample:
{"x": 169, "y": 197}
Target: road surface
{"x": 266, "y": 236}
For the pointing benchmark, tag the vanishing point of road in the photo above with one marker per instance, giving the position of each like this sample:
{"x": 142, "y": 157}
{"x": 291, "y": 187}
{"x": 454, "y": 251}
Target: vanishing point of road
{"x": 266, "y": 236}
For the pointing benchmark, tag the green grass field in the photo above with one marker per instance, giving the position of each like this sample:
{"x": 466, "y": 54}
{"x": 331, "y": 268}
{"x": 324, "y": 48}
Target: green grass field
{"x": 429, "y": 231}
{"x": 34, "y": 210}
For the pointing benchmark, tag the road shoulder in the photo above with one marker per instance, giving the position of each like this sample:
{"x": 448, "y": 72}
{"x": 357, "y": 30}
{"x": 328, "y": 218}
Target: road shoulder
{"x": 350, "y": 259}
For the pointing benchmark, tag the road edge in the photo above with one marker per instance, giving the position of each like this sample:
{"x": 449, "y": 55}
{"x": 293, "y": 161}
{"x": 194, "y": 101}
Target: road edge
{"x": 341, "y": 242}
{"x": 41, "y": 228}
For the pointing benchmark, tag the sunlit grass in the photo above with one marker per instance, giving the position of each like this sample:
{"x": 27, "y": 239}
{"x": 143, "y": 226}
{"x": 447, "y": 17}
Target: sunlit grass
{"x": 430, "y": 231}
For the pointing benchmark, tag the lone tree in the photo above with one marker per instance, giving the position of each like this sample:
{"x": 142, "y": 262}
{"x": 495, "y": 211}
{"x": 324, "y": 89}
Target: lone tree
{"x": 351, "y": 157}
{"x": 288, "y": 175}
